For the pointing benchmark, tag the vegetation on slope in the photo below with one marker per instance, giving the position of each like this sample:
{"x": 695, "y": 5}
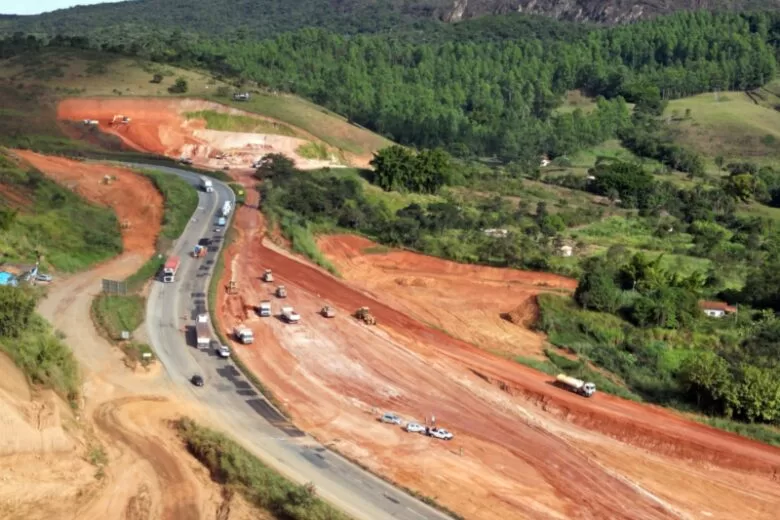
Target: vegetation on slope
{"x": 232, "y": 465}
{"x": 237, "y": 123}
{"x": 42, "y": 217}
{"x": 430, "y": 94}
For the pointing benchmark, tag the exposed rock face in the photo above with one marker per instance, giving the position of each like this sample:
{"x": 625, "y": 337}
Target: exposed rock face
{"x": 602, "y": 11}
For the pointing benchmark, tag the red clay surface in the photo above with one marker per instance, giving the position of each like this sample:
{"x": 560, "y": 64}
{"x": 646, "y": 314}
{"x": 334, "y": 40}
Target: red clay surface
{"x": 529, "y": 449}
{"x": 159, "y": 126}
{"x": 467, "y": 301}
{"x": 133, "y": 197}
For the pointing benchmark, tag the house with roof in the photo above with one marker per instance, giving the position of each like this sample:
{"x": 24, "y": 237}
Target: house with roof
{"x": 715, "y": 309}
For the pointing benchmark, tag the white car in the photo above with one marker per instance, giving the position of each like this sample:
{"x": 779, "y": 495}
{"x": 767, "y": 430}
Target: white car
{"x": 41, "y": 277}
{"x": 223, "y": 351}
{"x": 414, "y": 427}
{"x": 439, "y": 433}
{"x": 390, "y": 418}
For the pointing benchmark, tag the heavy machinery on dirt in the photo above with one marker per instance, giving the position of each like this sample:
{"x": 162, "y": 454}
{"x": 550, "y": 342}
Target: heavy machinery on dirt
{"x": 244, "y": 335}
{"x": 281, "y": 291}
{"x": 328, "y": 312}
{"x": 264, "y": 309}
{"x": 268, "y": 276}
{"x": 289, "y": 315}
{"x": 578, "y": 386}
{"x": 365, "y": 315}
{"x": 170, "y": 268}
{"x": 120, "y": 120}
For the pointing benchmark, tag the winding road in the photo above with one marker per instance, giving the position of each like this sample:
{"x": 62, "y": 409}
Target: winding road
{"x": 245, "y": 412}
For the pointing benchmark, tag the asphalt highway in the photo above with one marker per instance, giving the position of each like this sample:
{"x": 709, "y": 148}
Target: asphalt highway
{"x": 245, "y": 412}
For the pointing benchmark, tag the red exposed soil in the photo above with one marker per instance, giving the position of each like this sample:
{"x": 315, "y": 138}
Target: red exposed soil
{"x": 159, "y": 126}
{"x": 133, "y": 197}
{"x": 519, "y": 435}
{"x": 484, "y": 306}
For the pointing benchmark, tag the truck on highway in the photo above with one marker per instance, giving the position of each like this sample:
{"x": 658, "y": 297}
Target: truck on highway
{"x": 170, "y": 268}
{"x": 206, "y": 184}
{"x": 264, "y": 309}
{"x": 227, "y": 207}
{"x": 199, "y": 251}
{"x": 578, "y": 386}
{"x": 203, "y": 336}
{"x": 244, "y": 335}
{"x": 289, "y": 315}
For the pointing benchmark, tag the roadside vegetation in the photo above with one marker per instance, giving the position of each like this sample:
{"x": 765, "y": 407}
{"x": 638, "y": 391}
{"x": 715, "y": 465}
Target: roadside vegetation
{"x": 36, "y": 349}
{"x": 40, "y": 217}
{"x": 232, "y": 465}
{"x": 181, "y": 201}
{"x": 314, "y": 151}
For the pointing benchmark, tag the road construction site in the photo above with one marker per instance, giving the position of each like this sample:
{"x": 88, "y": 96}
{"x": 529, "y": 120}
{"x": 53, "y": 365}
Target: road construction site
{"x": 523, "y": 448}
{"x": 160, "y": 126}
{"x": 520, "y": 442}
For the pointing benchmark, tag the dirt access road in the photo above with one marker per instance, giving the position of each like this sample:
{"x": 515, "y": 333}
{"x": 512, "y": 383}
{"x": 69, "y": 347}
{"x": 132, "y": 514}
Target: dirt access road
{"x": 160, "y": 126}
{"x": 530, "y": 450}
{"x": 45, "y": 450}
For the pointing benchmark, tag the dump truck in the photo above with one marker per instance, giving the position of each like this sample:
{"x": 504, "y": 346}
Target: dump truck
{"x": 120, "y": 119}
{"x": 202, "y": 331}
{"x": 91, "y": 122}
{"x": 264, "y": 309}
{"x": 206, "y": 184}
{"x": 281, "y": 292}
{"x": 268, "y": 276}
{"x": 328, "y": 311}
{"x": 199, "y": 251}
{"x": 289, "y": 315}
{"x": 244, "y": 334}
{"x": 170, "y": 268}
{"x": 364, "y": 315}
{"x": 578, "y": 386}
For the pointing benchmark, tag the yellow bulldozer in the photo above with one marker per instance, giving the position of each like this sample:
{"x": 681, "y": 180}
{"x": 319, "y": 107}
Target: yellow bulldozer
{"x": 366, "y": 316}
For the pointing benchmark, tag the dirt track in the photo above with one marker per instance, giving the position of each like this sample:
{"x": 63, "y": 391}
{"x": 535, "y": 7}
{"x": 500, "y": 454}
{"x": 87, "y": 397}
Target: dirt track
{"x": 524, "y": 441}
{"x": 159, "y": 126}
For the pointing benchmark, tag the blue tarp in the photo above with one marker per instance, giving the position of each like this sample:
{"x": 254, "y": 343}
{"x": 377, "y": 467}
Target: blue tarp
{"x": 7, "y": 279}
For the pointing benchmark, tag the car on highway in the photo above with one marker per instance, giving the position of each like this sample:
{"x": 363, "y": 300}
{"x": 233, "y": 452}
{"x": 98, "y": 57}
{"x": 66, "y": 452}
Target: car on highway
{"x": 439, "y": 433}
{"x": 223, "y": 351}
{"x": 42, "y": 277}
{"x": 197, "y": 380}
{"x": 414, "y": 427}
{"x": 390, "y": 418}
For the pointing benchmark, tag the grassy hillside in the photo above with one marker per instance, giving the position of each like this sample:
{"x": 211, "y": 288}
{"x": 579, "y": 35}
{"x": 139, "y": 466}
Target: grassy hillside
{"x": 53, "y": 221}
{"x": 730, "y": 124}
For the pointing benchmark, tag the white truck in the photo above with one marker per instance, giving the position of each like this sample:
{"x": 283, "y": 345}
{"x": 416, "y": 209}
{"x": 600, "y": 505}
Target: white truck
{"x": 206, "y": 184}
{"x": 227, "y": 207}
{"x": 264, "y": 309}
{"x": 578, "y": 386}
{"x": 202, "y": 331}
{"x": 244, "y": 335}
{"x": 289, "y": 315}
